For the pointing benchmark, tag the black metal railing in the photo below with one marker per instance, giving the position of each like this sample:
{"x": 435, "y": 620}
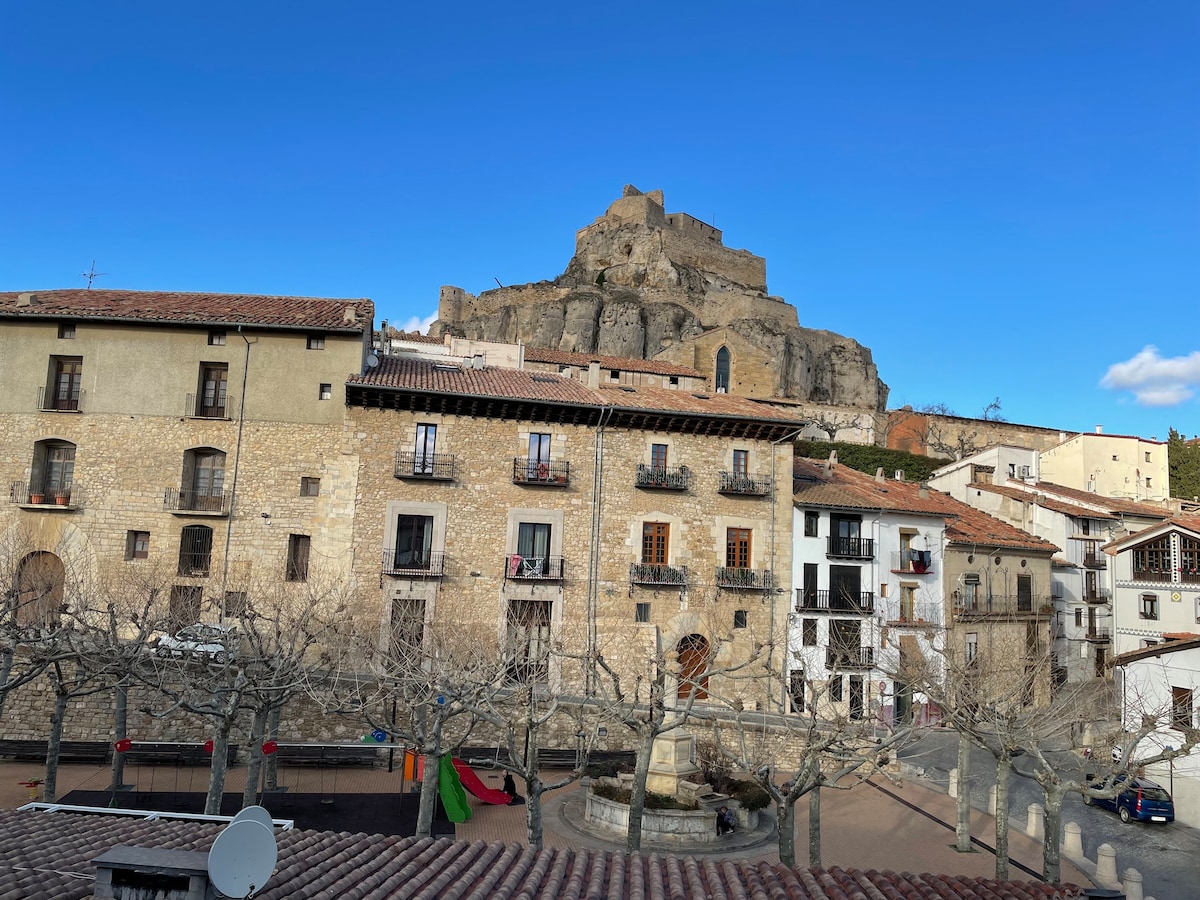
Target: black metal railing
{"x": 554, "y": 473}
{"x": 743, "y": 484}
{"x": 1097, "y": 595}
{"x": 850, "y": 547}
{"x": 849, "y": 657}
{"x": 745, "y": 579}
{"x": 426, "y": 466}
{"x": 662, "y": 478}
{"x": 1094, "y": 560}
{"x": 1099, "y": 634}
{"x": 533, "y": 568}
{"x": 49, "y": 401}
{"x": 835, "y": 601}
{"x": 658, "y": 574}
{"x": 24, "y": 493}
{"x": 414, "y": 565}
{"x": 177, "y": 500}
{"x": 998, "y": 605}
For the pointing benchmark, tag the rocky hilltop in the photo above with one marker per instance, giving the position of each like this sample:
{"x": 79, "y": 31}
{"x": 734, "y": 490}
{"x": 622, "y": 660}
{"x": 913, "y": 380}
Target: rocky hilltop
{"x": 650, "y": 284}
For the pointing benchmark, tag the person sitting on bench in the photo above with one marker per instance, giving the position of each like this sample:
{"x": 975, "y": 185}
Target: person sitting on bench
{"x": 725, "y": 820}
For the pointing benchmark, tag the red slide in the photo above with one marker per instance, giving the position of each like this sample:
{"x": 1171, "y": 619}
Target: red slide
{"x": 472, "y": 783}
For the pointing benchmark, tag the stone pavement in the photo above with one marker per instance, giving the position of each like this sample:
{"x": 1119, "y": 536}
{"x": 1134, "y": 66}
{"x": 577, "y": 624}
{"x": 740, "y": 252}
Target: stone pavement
{"x": 904, "y": 827}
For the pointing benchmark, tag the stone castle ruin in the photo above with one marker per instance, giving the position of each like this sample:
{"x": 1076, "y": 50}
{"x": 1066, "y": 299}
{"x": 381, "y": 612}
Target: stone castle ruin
{"x": 650, "y": 284}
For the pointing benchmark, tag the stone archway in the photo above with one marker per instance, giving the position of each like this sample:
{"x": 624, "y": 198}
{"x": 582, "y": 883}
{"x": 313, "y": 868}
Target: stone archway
{"x": 693, "y": 653}
{"x": 40, "y": 580}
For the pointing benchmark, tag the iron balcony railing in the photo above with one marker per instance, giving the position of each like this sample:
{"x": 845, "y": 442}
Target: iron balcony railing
{"x": 414, "y": 565}
{"x": 177, "y": 500}
{"x": 912, "y": 562}
{"x": 745, "y": 579}
{"x": 554, "y": 473}
{"x": 835, "y": 601}
{"x": 1097, "y": 595}
{"x": 849, "y": 658}
{"x": 194, "y": 407}
{"x": 49, "y": 401}
{"x": 657, "y": 574}
{"x": 533, "y": 568}
{"x": 662, "y": 478}
{"x": 743, "y": 484}
{"x": 997, "y": 605}
{"x": 850, "y": 547}
{"x": 1094, "y": 560}
{"x": 24, "y": 493}
{"x": 1099, "y": 635}
{"x": 424, "y": 466}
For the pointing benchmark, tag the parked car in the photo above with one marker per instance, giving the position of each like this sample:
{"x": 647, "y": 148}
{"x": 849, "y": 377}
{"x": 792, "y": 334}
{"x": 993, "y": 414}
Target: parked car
{"x": 1139, "y": 799}
{"x": 215, "y": 642}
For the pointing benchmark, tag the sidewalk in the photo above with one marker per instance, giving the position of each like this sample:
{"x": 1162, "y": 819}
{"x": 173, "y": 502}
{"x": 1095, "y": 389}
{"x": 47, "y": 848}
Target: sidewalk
{"x": 905, "y": 827}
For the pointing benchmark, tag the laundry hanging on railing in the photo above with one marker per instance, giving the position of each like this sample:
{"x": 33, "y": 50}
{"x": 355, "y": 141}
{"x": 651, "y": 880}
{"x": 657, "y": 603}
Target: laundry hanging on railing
{"x": 921, "y": 560}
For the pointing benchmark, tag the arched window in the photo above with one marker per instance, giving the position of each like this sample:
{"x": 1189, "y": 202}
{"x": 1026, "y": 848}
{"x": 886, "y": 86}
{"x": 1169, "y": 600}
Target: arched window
{"x": 722, "y": 379}
{"x": 40, "y": 580}
{"x": 693, "y": 666}
{"x": 195, "y": 551}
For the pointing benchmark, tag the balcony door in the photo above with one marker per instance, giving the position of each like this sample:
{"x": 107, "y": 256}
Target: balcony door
{"x": 844, "y": 587}
{"x": 857, "y": 700}
{"x": 533, "y": 548}
{"x": 845, "y": 638}
{"x": 539, "y": 457}
{"x": 414, "y": 542}
{"x": 68, "y": 380}
{"x": 737, "y": 548}
{"x": 424, "y": 449}
{"x": 214, "y": 380}
{"x": 693, "y": 665}
{"x": 1024, "y": 593}
{"x": 846, "y": 535}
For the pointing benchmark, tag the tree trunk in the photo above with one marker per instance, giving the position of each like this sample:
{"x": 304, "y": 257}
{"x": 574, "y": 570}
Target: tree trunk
{"x": 120, "y": 732}
{"x": 258, "y": 730}
{"x": 814, "y": 828}
{"x": 962, "y": 804}
{"x": 50, "y": 788}
{"x": 216, "y": 771}
{"x": 785, "y": 816}
{"x": 637, "y": 796}
{"x": 1051, "y": 844}
{"x": 6, "y": 664}
{"x": 272, "y": 779}
{"x": 533, "y": 789}
{"x": 1001, "y": 818}
{"x": 429, "y": 790}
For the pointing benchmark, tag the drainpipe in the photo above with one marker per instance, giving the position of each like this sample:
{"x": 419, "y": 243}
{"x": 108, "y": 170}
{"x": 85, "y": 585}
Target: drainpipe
{"x": 593, "y": 590}
{"x": 237, "y": 458}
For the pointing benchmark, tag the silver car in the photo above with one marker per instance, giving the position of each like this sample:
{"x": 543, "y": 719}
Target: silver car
{"x": 214, "y": 642}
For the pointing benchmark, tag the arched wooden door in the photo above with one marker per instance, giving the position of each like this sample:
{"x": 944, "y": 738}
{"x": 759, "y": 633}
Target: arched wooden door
{"x": 693, "y": 661}
{"x": 40, "y": 580}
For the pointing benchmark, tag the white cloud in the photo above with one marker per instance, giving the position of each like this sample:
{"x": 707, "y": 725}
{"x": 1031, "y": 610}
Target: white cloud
{"x": 417, "y": 323}
{"x": 1155, "y": 381}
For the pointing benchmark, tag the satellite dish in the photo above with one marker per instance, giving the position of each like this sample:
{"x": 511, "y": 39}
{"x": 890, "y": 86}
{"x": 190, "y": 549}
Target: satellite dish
{"x": 255, "y": 814}
{"x": 372, "y": 361}
{"x": 242, "y": 858}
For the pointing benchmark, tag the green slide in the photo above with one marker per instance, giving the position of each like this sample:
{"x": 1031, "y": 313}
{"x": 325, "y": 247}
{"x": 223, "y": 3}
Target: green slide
{"x": 454, "y": 798}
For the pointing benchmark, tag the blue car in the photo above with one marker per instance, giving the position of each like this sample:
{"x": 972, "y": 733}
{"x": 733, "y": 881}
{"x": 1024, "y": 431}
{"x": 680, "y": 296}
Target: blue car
{"x": 1140, "y": 799}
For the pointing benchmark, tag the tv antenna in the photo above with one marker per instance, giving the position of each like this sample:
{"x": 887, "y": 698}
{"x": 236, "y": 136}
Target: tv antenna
{"x": 91, "y": 274}
{"x": 243, "y": 856}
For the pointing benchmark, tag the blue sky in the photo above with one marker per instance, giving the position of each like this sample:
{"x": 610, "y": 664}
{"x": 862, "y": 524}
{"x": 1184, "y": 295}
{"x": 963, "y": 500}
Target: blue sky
{"x": 997, "y": 199}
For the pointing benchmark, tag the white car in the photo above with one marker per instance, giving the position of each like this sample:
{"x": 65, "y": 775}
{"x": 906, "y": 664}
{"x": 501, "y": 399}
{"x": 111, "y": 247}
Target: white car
{"x": 215, "y": 642}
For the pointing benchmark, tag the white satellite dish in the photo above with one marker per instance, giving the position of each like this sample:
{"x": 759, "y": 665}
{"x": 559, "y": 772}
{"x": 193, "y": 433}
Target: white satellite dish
{"x": 255, "y": 814}
{"x": 242, "y": 858}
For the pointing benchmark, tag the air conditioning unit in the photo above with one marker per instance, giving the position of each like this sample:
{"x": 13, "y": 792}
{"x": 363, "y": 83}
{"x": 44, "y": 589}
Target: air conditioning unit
{"x": 1025, "y": 471}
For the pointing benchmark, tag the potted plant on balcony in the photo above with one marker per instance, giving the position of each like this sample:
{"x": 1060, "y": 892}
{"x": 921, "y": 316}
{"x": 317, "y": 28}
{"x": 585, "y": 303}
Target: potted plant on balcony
{"x": 62, "y": 496}
{"x": 37, "y": 498}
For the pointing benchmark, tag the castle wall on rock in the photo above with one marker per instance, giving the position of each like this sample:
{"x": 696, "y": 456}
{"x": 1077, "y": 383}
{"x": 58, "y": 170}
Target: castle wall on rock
{"x": 649, "y": 284}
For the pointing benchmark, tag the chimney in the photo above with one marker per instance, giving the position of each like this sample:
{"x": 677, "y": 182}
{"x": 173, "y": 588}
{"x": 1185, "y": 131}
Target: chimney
{"x": 132, "y": 873}
{"x": 832, "y": 461}
{"x": 477, "y": 361}
{"x": 349, "y": 315}
{"x": 923, "y": 490}
{"x": 1099, "y": 429}
{"x": 879, "y": 479}
{"x": 899, "y": 474}
{"x": 593, "y": 376}
{"x": 26, "y": 299}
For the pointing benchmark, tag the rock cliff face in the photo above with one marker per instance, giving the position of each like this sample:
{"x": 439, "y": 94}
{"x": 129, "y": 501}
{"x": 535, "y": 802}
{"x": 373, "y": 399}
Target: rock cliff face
{"x": 650, "y": 284}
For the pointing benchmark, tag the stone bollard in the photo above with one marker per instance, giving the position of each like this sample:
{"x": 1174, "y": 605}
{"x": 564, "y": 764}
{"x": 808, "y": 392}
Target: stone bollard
{"x": 952, "y": 787}
{"x": 992, "y": 800}
{"x": 1035, "y": 821}
{"x": 1106, "y": 865}
{"x": 1131, "y": 882}
{"x": 1072, "y": 845}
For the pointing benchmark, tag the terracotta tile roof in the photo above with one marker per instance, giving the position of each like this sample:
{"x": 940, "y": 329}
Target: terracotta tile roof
{"x": 1043, "y": 500}
{"x": 848, "y": 488}
{"x": 1116, "y": 505}
{"x": 312, "y": 313}
{"x": 415, "y": 337}
{"x": 974, "y": 526}
{"x": 698, "y": 403}
{"x": 48, "y": 856}
{"x": 1191, "y": 523}
{"x": 447, "y": 377}
{"x": 624, "y": 364}
{"x": 1174, "y": 644}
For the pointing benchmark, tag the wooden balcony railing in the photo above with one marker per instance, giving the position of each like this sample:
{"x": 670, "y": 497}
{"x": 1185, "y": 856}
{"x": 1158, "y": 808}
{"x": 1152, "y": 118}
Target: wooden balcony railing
{"x": 834, "y": 601}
